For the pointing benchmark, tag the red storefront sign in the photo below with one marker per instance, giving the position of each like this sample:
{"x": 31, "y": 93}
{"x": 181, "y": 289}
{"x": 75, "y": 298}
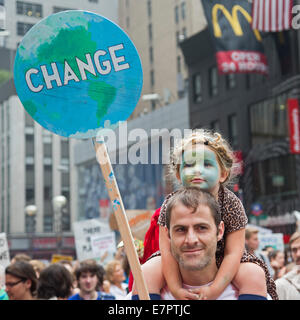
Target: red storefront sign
{"x": 294, "y": 125}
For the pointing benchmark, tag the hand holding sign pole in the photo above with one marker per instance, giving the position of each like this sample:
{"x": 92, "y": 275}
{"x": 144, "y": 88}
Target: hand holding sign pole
{"x": 76, "y": 73}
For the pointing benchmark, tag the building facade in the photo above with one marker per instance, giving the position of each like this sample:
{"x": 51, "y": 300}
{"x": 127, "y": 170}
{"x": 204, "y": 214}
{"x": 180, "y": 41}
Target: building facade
{"x": 156, "y": 28}
{"x": 251, "y": 111}
{"x": 36, "y": 165}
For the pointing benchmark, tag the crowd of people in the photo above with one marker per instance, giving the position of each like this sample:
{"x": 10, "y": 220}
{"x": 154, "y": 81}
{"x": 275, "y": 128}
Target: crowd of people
{"x": 29, "y": 279}
{"x": 198, "y": 246}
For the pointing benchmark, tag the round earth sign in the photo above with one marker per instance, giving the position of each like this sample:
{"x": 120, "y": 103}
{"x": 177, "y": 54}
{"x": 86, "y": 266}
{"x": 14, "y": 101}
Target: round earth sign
{"x": 76, "y": 72}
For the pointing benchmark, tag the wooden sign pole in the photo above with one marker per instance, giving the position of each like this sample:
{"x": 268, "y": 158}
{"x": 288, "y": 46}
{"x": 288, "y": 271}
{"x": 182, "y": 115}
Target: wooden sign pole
{"x": 119, "y": 211}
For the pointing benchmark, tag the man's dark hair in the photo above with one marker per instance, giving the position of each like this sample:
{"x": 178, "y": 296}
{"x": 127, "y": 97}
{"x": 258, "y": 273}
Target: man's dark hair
{"x": 24, "y": 271}
{"x": 192, "y": 197}
{"x": 54, "y": 281}
{"x": 92, "y": 267}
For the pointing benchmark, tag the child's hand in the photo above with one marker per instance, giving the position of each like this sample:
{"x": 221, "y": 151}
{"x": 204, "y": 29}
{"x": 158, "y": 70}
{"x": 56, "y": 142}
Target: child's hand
{"x": 184, "y": 294}
{"x": 205, "y": 293}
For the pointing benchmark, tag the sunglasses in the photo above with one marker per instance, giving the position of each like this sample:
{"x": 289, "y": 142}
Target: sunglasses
{"x": 12, "y": 284}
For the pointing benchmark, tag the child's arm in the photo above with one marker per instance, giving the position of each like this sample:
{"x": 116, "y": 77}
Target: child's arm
{"x": 234, "y": 248}
{"x": 170, "y": 268}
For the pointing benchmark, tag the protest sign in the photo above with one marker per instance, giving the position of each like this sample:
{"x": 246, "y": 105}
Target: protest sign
{"x": 104, "y": 247}
{"x": 271, "y": 239}
{"x": 4, "y": 252}
{"x": 83, "y": 232}
{"x": 77, "y": 74}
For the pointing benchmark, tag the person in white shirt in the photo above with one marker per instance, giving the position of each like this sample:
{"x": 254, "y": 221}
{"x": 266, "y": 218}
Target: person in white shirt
{"x": 116, "y": 276}
{"x": 194, "y": 226}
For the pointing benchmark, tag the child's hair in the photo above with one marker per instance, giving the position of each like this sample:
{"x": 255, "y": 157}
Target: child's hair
{"x": 213, "y": 140}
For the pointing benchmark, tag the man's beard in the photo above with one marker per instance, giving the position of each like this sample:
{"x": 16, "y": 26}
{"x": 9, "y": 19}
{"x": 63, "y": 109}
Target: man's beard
{"x": 197, "y": 263}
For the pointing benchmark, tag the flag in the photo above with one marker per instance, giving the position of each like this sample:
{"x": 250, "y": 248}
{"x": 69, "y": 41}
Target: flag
{"x": 239, "y": 48}
{"x": 272, "y": 15}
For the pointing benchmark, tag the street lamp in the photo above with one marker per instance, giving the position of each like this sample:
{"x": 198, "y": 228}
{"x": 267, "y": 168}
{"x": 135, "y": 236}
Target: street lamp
{"x": 31, "y": 211}
{"x": 58, "y": 203}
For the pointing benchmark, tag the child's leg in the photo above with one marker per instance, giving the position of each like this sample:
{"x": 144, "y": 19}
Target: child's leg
{"x": 251, "y": 279}
{"x": 153, "y": 276}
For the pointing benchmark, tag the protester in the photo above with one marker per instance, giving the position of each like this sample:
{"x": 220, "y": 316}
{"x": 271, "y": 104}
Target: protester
{"x": 276, "y": 258}
{"x": 116, "y": 276}
{"x": 194, "y": 226}
{"x": 20, "y": 281}
{"x": 89, "y": 277}
{"x": 69, "y": 266}
{"x": 55, "y": 283}
{"x": 288, "y": 287}
{"x": 252, "y": 245}
{"x": 38, "y": 266}
{"x": 20, "y": 257}
{"x": 205, "y": 159}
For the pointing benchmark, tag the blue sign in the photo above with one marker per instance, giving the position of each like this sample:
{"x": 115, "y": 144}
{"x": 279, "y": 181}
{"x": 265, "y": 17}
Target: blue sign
{"x": 76, "y": 72}
{"x": 256, "y": 209}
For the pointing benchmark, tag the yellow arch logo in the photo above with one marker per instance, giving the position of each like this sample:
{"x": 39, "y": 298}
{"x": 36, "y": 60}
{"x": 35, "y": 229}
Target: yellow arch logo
{"x": 233, "y": 20}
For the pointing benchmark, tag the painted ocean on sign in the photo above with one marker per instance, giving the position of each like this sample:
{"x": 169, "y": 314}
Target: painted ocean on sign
{"x": 76, "y": 72}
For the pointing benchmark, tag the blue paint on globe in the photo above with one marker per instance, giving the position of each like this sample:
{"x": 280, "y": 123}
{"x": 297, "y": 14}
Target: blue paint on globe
{"x": 76, "y": 72}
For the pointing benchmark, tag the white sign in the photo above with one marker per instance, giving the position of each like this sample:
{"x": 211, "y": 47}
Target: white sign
{"x": 83, "y": 232}
{"x": 104, "y": 247}
{"x": 4, "y": 252}
{"x": 271, "y": 239}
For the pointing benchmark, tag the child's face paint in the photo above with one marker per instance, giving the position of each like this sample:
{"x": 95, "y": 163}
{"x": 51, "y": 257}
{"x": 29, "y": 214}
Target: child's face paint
{"x": 200, "y": 168}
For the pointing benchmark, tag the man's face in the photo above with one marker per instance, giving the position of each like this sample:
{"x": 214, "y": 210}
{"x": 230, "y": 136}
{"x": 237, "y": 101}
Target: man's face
{"x": 16, "y": 288}
{"x": 88, "y": 282}
{"x": 253, "y": 242}
{"x": 295, "y": 248}
{"x": 193, "y": 237}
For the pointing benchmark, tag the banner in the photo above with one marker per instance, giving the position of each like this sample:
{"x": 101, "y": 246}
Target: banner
{"x": 104, "y": 247}
{"x": 83, "y": 233}
{"x": 293, "y": 111}
{"x": 271, "y": 239}
{"x": 239, "y": 48}
{"x": 4, "y": 252}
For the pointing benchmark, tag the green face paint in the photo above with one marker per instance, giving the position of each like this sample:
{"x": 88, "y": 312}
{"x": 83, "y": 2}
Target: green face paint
{"x": 200, "y": 168}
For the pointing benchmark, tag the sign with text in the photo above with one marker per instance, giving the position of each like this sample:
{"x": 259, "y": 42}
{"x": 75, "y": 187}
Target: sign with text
{"x": 294, "y": 125}
{"x": 76, "y": 72}
{"x": 4, "y": 252}
{"x": 83, "y": 233}
{"x": 271, "y": 239}
{"x": 239, "y": 49}
{"x": 104, "y": 247}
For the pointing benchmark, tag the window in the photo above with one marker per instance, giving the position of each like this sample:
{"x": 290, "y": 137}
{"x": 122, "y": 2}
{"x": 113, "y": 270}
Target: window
{"x": 183, "y": 10}
{"x": 64, "y": 149}
{"x": 22, "y": 28}
{"x": 29, "y": 9}
{"x": 127, "y": 22}
{"x": 268, "y": 120}
{"x": 230, "y": 81}
{"x": 271, "y": 177}
{"x": 215, "y": 126}
{"x": 176, "y": 14}
{"x": 233, "y": 132}
{"x": 150, "y": 32}
{"x": 178, "y": 64}
{"x": 95, "y": 1}
{"x": 59, "y": 9}
{"x": 149, "y": 8}
{"x": 152, "y": 78}
{"x": 29, "y": 145}
{"x": 29, "y": 184}
{"x": 151, "y": 57}
{"x": 213, "y": 81}
{"x": 197, "y": 88}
